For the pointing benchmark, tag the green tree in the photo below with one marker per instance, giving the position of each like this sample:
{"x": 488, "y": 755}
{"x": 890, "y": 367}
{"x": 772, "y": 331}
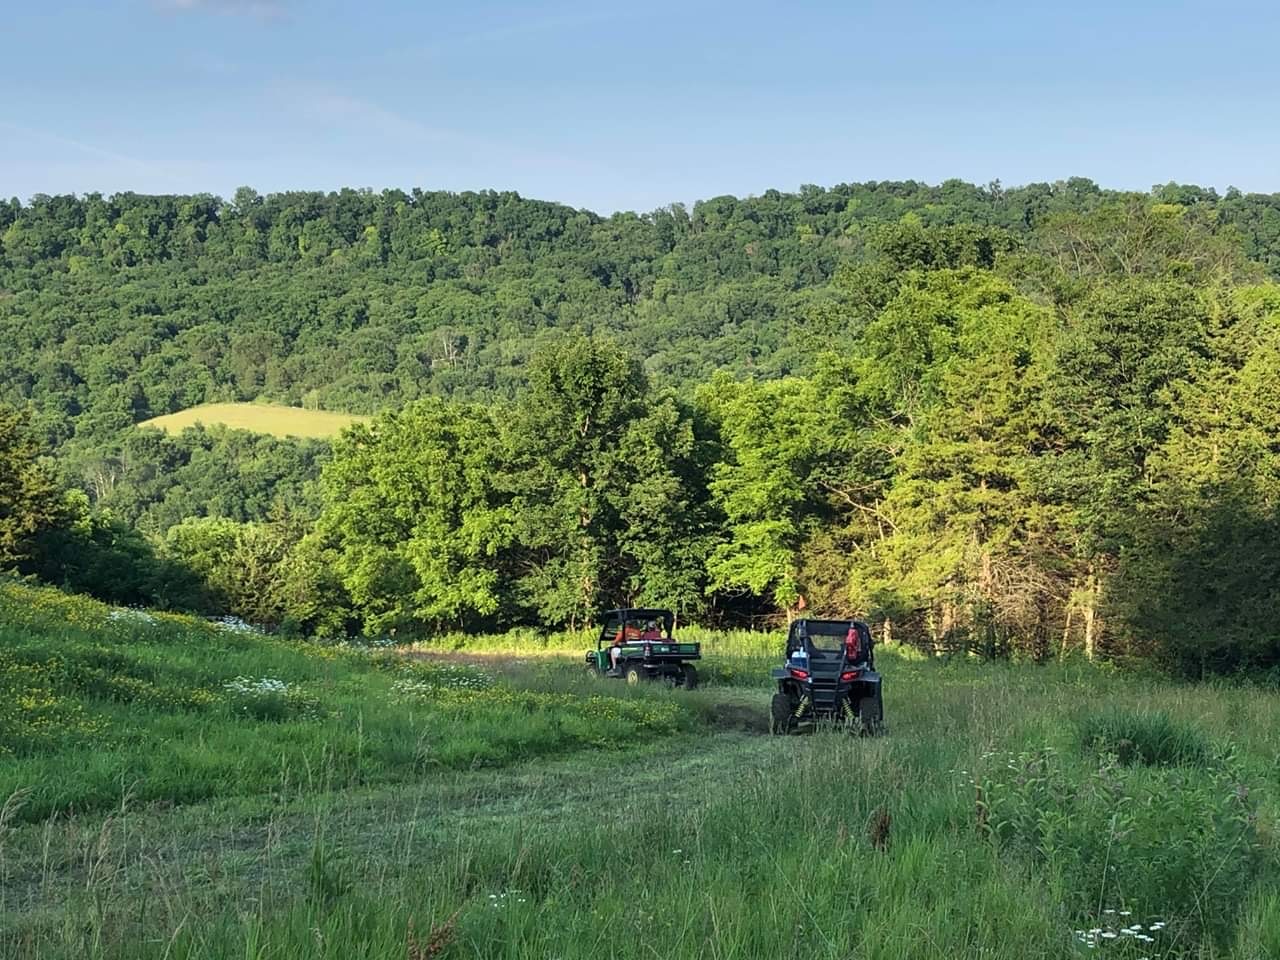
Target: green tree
{"x": 96, "y": 553}
{"x": 30, "y": 502}
{"x": 789, "y": 465}
{"x": 600, "y": 494}
{"x": 415, "y": 523}
{"x": 1200, "y": 558}
{"x": 968, "y": 551}
{"x": 257, "y": 571}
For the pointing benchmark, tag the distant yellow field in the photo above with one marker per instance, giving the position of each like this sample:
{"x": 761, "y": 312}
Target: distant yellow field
{"x": 279, "y": 421}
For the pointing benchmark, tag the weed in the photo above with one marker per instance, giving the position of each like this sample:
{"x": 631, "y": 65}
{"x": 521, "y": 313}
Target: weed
{"x": 1173, "y": 842}
{"x": 436, "y": 943}
{"x": 878, "y": 829}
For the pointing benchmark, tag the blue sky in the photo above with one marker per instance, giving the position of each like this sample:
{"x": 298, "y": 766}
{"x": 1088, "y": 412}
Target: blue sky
{"x": 632, "y": 106}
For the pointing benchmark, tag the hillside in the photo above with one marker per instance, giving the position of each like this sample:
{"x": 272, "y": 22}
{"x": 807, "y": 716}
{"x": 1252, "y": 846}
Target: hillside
{"x": 272, "y": 419}
{"x": 114, "y": 310}
{"x": 184, "y": 789}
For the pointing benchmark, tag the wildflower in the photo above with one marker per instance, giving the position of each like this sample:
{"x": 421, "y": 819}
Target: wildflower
{"x": 243, "y": 686}
{"x": 130, "y": 614}
{"x": 234, "y": 625}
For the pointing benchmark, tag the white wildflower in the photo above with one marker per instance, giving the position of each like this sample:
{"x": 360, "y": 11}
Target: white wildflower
{"x": 130, "y": 614}
{"x": 263, "y": 687}
{"x": 234, "y": 625}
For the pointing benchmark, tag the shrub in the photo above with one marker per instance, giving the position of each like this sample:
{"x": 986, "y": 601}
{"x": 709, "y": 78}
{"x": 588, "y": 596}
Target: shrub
{"x": 1171, "y": 847}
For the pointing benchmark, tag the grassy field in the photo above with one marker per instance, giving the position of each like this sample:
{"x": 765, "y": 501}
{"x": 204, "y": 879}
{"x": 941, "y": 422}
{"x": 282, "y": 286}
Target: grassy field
{"x": 276, "y": 420}
{"x": 183, "y": 790}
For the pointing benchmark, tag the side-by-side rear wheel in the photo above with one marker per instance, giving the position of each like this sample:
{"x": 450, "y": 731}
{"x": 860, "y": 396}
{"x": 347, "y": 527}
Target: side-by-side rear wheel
{"x": 633, "y": 674}
{"x": 688, "y": 676}
{"x": 780, "y": 714}
{"x": 871, "y": 713}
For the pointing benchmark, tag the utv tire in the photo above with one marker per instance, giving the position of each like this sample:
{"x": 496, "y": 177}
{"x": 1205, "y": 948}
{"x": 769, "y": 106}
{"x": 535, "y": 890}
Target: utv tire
{"x": 632, "y": 674}
{"x": 688, "y": 676}
{"x": 780, "y": 714}
{"x": 871, "y": 713}
{"x": 592, "y": 673}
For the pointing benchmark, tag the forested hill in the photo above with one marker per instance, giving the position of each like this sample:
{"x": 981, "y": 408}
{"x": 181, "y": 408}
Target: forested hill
{"x": 1006, "y": 420}
{"x": 113, "y": 310}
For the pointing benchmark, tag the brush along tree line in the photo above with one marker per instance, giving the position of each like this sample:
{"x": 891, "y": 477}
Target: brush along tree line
{"x": 1011, "y": 442}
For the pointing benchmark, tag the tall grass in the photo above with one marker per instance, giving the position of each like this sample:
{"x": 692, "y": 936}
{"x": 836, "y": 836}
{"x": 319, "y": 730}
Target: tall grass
{"x": 995, "y": 820}
{"x": 831, "y": 847}
{"x": 1148, "y": 737}
{"x": 529, "y": 641}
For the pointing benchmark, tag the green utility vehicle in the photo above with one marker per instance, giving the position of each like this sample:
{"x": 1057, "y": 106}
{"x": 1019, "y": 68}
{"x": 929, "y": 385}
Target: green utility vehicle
{"x": 638, "y": 644}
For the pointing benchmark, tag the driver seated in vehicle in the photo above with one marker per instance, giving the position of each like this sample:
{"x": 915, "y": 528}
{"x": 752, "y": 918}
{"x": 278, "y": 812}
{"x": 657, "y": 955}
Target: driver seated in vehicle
{"x": 651, "y": 631}
{"x": 626, "y": 633}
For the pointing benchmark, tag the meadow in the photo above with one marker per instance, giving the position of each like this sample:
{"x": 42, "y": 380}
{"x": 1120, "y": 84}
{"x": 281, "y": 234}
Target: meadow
{"x": 270, "y": 418}
{"x": 175, "y": 788}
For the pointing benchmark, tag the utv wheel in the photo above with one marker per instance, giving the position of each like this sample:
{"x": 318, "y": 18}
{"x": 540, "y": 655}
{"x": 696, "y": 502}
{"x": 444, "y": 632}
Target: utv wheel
{"x": 871, "y": 713}
{"x": 632, "y": 674}
{"x": 592, "y": 673}
{"x": 780, "y": 714}
{"x": 688, "y": 676}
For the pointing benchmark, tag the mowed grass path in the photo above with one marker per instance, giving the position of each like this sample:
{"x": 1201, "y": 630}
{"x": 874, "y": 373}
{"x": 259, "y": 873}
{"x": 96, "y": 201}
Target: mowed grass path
{"x": 279, "y": 421}
{"x": 994, "y": 820}
{"x": 102, "y": 706}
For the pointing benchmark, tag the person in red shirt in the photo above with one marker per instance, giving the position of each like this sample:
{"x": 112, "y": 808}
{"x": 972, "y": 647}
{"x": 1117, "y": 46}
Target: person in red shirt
{"x": 626, "y": 633}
